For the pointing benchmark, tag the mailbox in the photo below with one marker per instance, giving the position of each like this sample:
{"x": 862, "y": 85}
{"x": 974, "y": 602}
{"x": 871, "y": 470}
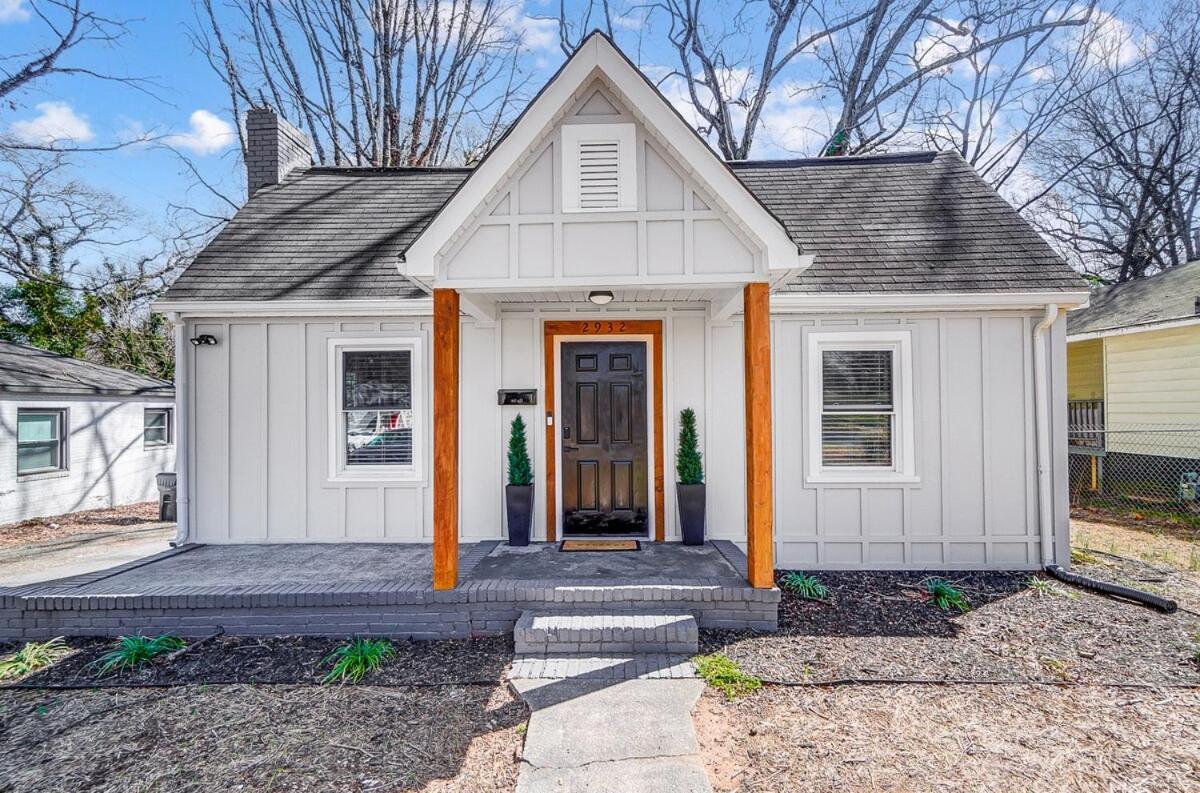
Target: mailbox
{"x": 518, "y": 396}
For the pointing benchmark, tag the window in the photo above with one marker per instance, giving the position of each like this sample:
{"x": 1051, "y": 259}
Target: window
{"x": 860, "y": 406}
{"x": 157, "y": 427}
{"x": 41, "y": 440}
{"x": 599, "y": 168}
{"x": 375, "y": 431}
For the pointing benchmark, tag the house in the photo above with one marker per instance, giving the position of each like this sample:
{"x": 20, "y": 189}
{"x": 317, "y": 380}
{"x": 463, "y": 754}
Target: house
{"x": 873, "y": 346}
{"x": 79, "y": 435}
{"x": 1133, "y": 385}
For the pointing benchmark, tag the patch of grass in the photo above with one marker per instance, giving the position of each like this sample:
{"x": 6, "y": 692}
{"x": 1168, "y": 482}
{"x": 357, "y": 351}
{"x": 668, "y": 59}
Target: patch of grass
{"x": 723, "y": 674}
{"x": 804, "y": 586}
{"x": 1083, "y": 556}
{"x": 355, "y": 659}
{"x": 945, "y": 595}
{"x": 32, "y": 657}
{"x": 133, "y": 651}
{"x": 1055, "y": 666}
{"x": 1044, "y": 587}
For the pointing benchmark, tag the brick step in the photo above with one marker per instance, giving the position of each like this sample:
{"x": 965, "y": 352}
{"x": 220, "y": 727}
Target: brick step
{"x": 547, "y": 632}
{"x": 626, "y": 666}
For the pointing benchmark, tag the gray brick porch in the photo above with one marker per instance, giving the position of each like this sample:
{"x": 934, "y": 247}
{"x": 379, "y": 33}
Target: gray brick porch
{"x": 360, "y": 589}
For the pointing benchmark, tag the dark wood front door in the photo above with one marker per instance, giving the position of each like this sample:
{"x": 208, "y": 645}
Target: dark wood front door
{"x": 604, "y": 446}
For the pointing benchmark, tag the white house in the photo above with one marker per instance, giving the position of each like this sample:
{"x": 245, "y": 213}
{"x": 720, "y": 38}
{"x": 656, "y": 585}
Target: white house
{"x": 78, "y": 435}
{"x": 874, "y": 346}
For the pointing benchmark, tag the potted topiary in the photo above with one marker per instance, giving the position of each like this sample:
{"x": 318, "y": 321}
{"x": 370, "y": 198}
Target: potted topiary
{"x": 689, "y": 489}
{"x": 518, "y": 496}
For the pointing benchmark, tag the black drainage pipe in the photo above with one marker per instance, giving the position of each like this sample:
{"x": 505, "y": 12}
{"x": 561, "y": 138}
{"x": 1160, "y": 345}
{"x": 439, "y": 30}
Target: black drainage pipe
{"x": 1165, "y": 605}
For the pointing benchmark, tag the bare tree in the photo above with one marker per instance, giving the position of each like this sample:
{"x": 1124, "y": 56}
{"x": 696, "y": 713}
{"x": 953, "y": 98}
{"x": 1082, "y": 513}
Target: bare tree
{"x": 1122, "y": 167}
{"x": 373, "y": 82}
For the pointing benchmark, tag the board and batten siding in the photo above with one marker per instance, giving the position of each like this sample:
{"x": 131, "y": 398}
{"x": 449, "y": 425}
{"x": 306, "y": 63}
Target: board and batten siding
{"x": 1085, "y": 369}
{"x": 260, "y": 459}
{"x": 108, "y": 463}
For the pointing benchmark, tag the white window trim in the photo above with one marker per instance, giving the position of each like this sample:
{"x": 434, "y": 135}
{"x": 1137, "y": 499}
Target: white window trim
{"x": 625, "y": 136}
{"x": 170, "y": 441}
{"x": 64, "y": 444}
{"x": 903, "y": 469}
{"x": 338, "y": 470}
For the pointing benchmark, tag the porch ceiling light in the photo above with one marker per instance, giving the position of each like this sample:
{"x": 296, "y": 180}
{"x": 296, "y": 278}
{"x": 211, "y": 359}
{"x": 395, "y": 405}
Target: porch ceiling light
{"x": 601, "y": 297}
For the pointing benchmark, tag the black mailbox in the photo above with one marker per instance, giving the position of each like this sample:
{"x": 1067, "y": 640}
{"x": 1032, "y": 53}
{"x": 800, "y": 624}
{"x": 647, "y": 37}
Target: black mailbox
{"x": 518, "y": 396}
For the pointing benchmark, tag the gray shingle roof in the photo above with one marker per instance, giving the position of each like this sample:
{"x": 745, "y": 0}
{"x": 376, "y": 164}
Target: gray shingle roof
{"x": 28, "y": 370}
{"x": 917, "y": 222}
{"x": 321, "y": 234}
{"x": 1170, "y": 295}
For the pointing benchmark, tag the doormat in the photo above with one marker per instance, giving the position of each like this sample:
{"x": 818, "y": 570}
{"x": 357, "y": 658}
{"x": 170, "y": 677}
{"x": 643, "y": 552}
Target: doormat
{"x": 600, "y": 545}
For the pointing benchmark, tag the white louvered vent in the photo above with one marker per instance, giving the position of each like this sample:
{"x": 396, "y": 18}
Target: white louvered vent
{"x": 599, "y": 168}
{"x": 599, "y": 174}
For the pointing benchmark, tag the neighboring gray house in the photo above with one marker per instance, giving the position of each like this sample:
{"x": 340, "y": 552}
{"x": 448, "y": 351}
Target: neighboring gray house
{"x": 78, "y": 435}
{"x": 873, "y": 346}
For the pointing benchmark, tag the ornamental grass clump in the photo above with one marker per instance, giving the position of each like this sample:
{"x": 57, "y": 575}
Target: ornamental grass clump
{"x": 689, "y": 469}
{"x": 808, "y": 587}
{"x": 357, "y": 658}
{"x": 520, "y": 469}
{"x": 945, "y": 595}
{"x": 134, "y": 651}
{"x": 32, "y": 657}
{"x": 723, "y": 674}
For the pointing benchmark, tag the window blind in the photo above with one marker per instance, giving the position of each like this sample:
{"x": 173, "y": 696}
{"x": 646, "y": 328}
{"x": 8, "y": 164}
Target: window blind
{"x": 857, "y": 413}
{"x": 857, "y": 379}
{"x": 377, "y": 407}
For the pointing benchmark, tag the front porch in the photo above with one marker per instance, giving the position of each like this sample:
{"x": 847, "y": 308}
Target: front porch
{"x": 376, "y": 589}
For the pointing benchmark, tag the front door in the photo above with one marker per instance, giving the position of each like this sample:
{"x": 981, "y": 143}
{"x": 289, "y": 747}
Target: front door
{"x": 604, "y": 447}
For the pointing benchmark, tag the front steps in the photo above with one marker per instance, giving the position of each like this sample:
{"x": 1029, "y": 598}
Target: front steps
{"x": 604, "y": 645}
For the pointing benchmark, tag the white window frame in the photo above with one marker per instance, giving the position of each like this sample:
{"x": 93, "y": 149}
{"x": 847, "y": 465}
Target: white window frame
{"x": 64, "y": 445}
{"x": 338, "y": 470}
{"x": 170, "y": 426}
{"x": 903, "y": 467}
{"x": 625, "y": 136}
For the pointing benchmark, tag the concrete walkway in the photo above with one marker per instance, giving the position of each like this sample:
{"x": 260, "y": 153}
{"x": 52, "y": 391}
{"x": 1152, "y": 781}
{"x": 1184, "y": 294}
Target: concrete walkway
{"x": 593, "y": 736}
{"x": 82, "y": 553}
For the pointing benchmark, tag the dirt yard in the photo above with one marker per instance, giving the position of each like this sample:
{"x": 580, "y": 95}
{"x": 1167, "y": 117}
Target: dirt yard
{"x": 59, "y": 527}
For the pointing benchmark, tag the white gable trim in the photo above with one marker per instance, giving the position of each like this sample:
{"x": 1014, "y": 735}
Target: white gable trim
{"x": 597, "y": 54}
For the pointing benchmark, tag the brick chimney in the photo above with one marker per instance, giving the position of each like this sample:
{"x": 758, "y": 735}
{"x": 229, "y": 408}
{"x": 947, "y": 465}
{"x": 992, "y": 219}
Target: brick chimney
{"x": 274, "y": 148}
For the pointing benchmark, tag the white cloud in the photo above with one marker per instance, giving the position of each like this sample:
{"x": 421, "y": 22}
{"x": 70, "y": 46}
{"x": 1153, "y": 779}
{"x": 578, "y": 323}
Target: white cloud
{"x": 1110, "y": 39}
{"x": 536, "y": 34}
{"x": 208, "y": 134}
{"x": 13, "y": 11}
{"x": 56, "y": 122}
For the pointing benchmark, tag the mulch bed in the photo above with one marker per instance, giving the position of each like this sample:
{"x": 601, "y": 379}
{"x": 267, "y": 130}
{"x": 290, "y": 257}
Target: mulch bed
{"x": 282, "y": 660}
{"x": 879, "y": 625}
{"x": 37, "y": 530}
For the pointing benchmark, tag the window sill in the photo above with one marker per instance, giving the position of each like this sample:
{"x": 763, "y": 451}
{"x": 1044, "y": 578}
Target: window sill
{"x": 37, "y": 476}
{"x": 862, "y": 478}
{"x": 376, "y": 478}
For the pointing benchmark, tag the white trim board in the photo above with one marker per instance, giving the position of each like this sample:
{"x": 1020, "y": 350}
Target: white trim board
{"x": 413, "y": 307}
{"x": 798, "y": 303}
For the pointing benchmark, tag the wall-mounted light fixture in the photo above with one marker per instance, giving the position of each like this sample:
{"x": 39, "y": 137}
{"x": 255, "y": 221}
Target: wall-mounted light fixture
{"x": 205, "y": 339}
{"x": 600, "y": 297}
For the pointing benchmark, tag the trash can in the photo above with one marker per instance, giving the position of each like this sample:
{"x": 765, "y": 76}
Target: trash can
{"x": 166, "y": 496}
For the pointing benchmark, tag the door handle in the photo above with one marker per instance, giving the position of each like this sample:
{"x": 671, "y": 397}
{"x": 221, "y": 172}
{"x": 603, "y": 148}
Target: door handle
{"x": 567, "y": 448}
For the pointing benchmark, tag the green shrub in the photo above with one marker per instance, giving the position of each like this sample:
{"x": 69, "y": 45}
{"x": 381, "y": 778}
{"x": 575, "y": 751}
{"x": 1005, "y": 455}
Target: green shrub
{"x": 133, "y": 651}
{"x": 808, "y": 587}
{"x": 520, "y": 469}
{"x": 353, "y": 660}
{"x": 32, "y": 657}
{"x": 689, "y": 470}
{"x": 945, "y": 595}
{"x": 723, "y": 674}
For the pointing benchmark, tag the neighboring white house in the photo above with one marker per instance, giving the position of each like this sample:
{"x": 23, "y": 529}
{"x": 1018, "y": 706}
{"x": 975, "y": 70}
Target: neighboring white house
{"x": 78, "y": 435}
{"x": 873, "y": 346}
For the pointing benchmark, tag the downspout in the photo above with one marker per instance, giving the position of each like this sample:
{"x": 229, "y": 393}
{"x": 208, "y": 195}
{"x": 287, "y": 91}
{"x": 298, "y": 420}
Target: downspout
{"x": 183, "y": 446}
{"x": 1041, "y": 384}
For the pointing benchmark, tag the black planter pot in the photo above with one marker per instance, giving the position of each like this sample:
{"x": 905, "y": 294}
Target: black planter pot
{"x": 691, "y": 512}
{"x": 518, "y": 499}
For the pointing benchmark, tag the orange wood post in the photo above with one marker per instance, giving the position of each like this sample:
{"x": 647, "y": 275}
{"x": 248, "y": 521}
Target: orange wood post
{"x": 445, "y": 438}
{"x": 760, "y": 553}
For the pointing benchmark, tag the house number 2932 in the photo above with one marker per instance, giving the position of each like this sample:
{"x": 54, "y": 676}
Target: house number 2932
{"x": 604, "y": 327}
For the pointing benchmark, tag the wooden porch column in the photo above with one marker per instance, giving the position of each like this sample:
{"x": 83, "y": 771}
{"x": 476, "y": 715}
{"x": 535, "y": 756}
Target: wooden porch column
{"x": 760, "y": 554}
{"x": 445, "y": 438}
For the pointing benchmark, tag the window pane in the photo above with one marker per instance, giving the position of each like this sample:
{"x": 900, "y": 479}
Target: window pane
{"x": 863, "y": 441}
{"x": 379, "y": 437}
{"x": 377, "y": 380}
{"x": 857, "y": 379}
{"x": 155, "y": 435}
{"x": 156, "y": 418}
{"x": 37, "y": 457}
{"x": 37, "y": 426}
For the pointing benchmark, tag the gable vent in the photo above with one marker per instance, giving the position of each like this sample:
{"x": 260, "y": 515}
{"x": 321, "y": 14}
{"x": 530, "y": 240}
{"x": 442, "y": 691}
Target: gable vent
{"x": 599, "y": 174}
{"x": 599, "y": 168}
